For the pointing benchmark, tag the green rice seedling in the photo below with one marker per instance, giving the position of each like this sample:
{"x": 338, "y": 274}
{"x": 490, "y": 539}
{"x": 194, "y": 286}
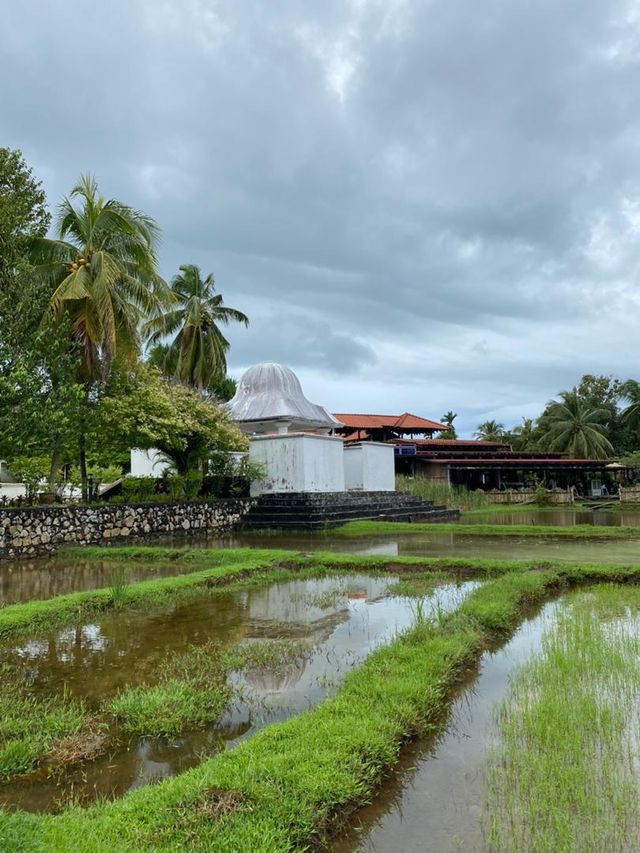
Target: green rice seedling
{"x": 564, "y": 773}
{"x": 417, "y": 585}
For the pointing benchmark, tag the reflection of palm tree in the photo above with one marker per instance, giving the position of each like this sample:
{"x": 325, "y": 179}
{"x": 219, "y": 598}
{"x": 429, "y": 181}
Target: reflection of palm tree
{"x": 198, "y": 352}
{"x": 490, "y": 431}
{"x": 570, "y": 426}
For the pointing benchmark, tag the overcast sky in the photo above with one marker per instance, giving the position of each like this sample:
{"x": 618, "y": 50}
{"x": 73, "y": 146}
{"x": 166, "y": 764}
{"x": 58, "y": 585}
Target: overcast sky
{"x": 422, "y": 205}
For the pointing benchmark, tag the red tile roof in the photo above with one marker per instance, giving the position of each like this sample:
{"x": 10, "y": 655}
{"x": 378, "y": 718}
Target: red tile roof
{"x": 405, "y": 422}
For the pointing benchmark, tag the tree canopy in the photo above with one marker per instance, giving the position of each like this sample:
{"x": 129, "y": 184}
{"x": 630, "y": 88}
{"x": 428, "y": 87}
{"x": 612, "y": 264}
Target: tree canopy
{"x": 141, "y": 408}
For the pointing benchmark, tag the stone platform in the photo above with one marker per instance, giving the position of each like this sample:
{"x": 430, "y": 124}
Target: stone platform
{"x": 317, "y": 510}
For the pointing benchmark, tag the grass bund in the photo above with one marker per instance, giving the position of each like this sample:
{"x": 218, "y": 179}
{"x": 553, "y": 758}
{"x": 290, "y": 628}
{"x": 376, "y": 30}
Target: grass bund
{"x": 292, "y": 784}
{"x": 565, "y": 773}
{"x": 577, "y": 531}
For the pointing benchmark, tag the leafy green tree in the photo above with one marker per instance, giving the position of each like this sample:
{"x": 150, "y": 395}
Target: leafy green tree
{"x": 141, "y": 408}
{"x": 198, "y": 352}
{"x": 23, "y": 215}
{"x": 102, "y": 273}
{"x": 490, "y": 431}
{"x": 38, "y": 393}
{"x": 571, "y": 426}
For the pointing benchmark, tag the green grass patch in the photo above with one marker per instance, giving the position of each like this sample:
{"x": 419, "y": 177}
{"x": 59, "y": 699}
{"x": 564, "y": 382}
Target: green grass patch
{"x": 223, "y": 567}
{"x": 418, "y": 584}
{"x": 32, "y": 730}
{"x": 191, "y": 691}
{"x": 564, "y": 776}
{"x": 578, "y": 531}
{"x": 269, "y": 654}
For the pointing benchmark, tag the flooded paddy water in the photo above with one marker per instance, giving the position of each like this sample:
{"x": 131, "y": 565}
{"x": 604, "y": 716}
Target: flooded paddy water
{"x": 45, "y": 578}
{"x": 434, "y": 800}
{"x": 540, "y": 748}
{"x": 341, "y": 619}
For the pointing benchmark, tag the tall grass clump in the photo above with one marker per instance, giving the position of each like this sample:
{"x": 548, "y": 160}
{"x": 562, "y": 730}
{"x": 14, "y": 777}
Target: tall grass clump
{"x": 119, "y": 586}
{"x": 31, "y": 729}
{"x": 453, "y": 497}
{"x": 191, "y": 691}
{"x": 564, "y": 774}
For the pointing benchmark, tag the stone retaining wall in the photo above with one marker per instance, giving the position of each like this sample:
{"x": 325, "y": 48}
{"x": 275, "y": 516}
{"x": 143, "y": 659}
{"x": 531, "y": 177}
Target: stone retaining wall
{"x": 40, "y": 530}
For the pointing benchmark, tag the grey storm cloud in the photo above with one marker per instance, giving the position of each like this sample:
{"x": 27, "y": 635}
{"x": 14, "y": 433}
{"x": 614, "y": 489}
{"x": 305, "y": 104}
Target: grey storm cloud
{"x": 421, "y": 205}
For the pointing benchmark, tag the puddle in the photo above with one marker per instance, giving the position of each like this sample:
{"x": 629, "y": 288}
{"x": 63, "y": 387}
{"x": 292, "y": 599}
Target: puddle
{"x": 49, "y": 577}
{"x": 434, "y": 800}
{"x": 343, "y": 618}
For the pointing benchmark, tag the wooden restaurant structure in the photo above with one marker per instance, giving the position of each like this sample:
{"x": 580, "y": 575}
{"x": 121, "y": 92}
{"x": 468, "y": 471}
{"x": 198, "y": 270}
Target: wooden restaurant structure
{"x": 474, "y": 464}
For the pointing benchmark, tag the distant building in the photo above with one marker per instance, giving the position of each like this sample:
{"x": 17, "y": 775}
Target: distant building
{"x": 474, "y": 464}
{"x": 385, "y": 427}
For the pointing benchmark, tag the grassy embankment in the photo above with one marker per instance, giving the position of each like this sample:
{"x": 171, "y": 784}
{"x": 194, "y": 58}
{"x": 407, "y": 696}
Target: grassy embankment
{"x": 292, "y": 783}
{"x": 564, "y": 776}
{"x": 578, "y": 531}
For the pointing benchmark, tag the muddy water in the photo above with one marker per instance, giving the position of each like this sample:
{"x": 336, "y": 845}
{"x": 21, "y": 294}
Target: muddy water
{"x": 342, "y": 618}
{"x": 434, "y": 801}
{"x": 559, "y": 517}
{"x": 45, "y": 578}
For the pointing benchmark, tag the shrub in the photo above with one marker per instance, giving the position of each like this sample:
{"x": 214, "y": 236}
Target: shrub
{"x": 31, "y": 471}
{"x": 542, "y": 496}
{"x": 138, "y": 489}
{"x": 175, "y": 486}
{"x": 192, "y": 485}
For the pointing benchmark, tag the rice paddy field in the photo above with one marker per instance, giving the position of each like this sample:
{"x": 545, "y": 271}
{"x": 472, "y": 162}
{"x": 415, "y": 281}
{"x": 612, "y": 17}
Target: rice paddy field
{"x": 271, "y": 697}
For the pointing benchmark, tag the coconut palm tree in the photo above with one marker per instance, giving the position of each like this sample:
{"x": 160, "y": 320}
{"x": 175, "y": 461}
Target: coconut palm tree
{"x": 198, "y": 351}
{"x": 631, "y": 414}
{"x": 490, "y": 431}
{"x": 102, "y": 269}
{"x": 448, "y": 418}
{"x": 523, "y": 433}
{"x": 570, "y": 425}
{"x": 102, "y": 272}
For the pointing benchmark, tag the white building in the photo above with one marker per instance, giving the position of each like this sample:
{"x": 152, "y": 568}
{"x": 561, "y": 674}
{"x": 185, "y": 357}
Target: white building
{"x": 290, "y": 437}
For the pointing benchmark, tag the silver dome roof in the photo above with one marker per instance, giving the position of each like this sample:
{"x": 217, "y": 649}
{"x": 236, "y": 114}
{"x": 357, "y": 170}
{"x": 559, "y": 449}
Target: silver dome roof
{"x": 272, "y": 392}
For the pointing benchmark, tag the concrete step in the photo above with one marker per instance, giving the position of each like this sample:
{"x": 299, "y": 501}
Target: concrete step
{"x": 321, "y": 510}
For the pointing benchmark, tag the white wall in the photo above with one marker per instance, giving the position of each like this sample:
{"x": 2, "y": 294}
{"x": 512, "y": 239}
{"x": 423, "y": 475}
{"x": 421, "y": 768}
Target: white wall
{"x": 148, "y": 463}
{"x": 370, "y": 466}
{"x": 296, "y": 462}
{"x": 12, "y": 490}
